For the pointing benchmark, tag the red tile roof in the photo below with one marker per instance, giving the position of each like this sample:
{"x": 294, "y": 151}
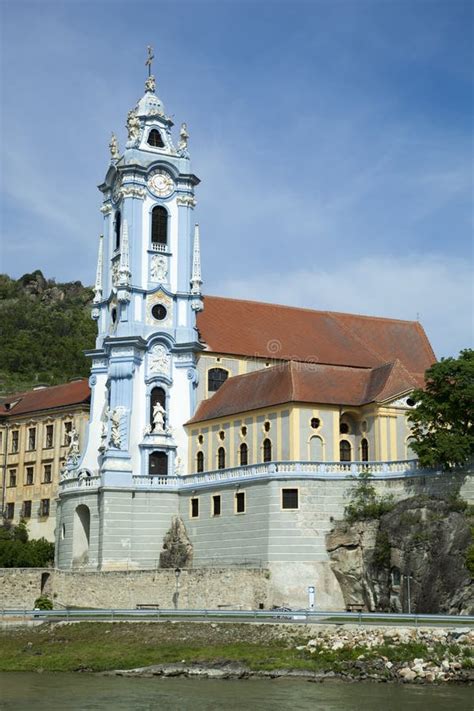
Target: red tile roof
{"x": 255, "y": 329}
{"x": 75, "y": 393}
{"x": 304, "y": 382}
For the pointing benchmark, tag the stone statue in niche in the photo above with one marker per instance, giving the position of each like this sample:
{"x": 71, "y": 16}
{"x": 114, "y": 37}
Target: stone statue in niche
{"x": 178, "y": 466}
{"x": 115, "y": 437}
{"x": 159, "y": 413}
{"x": 158, "y": 268}
{"x": 159, "y": 360}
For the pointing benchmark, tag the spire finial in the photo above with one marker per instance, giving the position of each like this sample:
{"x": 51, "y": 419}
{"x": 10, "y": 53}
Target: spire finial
{"x": 149, "y": 59}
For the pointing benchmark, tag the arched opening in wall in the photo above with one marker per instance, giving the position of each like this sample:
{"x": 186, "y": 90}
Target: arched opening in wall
{"x": 345, "y": 451}
{"x": 244, "y": 454}
{"x": 396, "y": 577}
{"x": 348, "y": 424}
{"x": 316, "y": 450}
{"x": 221, "y": 458}
{"x": 81, "y": 535}
{"x": 215, "y": 378}
{"x": 158, "y": 464}
{"x": 267, "y": 450}
{"x": 45, "y": 583}
{"x": 364, "y": 450}
{"x": 200, "y": 462}
{"x": 117, "y": 228}
{"x": 159, "y": 225}
{"x": 154, "y": 139}
{"x": 158, "y": 409}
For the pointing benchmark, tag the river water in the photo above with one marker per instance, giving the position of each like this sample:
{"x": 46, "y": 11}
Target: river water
{"x": 68, "y": 692}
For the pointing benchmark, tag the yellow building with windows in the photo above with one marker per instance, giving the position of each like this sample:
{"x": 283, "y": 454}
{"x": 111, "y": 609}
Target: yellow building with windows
{"x": 38, "y": 431}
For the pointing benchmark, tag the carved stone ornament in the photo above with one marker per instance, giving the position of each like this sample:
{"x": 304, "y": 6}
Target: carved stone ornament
{"x": 159, "y": 360}
{"x": 106, "y": 208}
{"x": 117, "y": 190}
{"x": 187, "y": 200}
{"x": 158, "y": 268}
{"x": 133, "y": 191}
{"x": 115, "y": 272}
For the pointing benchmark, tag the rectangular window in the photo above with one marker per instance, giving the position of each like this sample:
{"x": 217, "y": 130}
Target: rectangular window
{"x": 29, "y": 480}
{"x": 32, "y": 438}
{"x": 47, "y": 474}
{"x": 216, "y": 505}
{"x": 67, "y": 430}
{"x": 44, "y": 507}
{"x": 49, "y": 436}
{"x": 12, "y": 477}
{"x": 10, "y": 511}
{"x": 27, "y": 509}
{"x": 15, "y": 441}
{"x": 194, "y": 508}
{"x": 240, "y": 502}
{"x": 289, "y": 499}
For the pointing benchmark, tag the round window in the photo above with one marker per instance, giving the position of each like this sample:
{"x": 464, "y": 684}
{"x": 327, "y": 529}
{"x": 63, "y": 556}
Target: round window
{"x": 344, "y": 428}
{"x": 200, "y": 439}
{"x": 410, "y": 402}
{"x": 159, "y": 312}
{"x": 222, "y": 435}
{"x": 266, "y": 426}
{"x": 315, "y": 422}
{"x": 243, "y": 430}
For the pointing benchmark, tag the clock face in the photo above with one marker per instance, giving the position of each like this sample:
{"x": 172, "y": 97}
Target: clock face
{"x": 161, "y": 183}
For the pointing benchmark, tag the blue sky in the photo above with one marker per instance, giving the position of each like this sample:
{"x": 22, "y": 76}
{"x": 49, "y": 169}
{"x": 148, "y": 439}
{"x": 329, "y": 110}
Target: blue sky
{"x": 333, "y": 139}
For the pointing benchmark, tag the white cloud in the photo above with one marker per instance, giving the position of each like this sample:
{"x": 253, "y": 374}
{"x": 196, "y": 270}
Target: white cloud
{"x": 437, "y": 290}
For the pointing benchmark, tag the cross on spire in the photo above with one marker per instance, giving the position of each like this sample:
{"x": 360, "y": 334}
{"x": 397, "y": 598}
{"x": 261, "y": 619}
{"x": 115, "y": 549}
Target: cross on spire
{"x": 149, "y": 59}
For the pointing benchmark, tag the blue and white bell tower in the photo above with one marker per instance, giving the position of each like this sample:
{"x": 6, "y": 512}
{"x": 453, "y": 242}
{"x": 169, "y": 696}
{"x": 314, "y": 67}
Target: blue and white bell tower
{"x": 147, "y": 292}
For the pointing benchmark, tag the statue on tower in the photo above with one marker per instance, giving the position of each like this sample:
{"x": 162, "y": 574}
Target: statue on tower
{"x": 133, "y": 125}
{"x": 159, "y": 413}
{"x": 183, "y": 141}
{"x": 114, "y": 148}
{"x": 150, "y": 84}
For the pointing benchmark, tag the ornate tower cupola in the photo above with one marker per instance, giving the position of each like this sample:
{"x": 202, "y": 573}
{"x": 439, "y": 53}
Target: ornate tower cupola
{"x": 147, "y": 292}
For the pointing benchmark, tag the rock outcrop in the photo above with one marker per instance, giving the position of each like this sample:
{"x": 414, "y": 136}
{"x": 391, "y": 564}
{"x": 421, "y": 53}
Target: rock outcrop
{"x": 413, "y": 556}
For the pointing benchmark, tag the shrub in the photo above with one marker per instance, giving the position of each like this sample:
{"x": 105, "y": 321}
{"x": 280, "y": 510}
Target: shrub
{"x": 365, "y": 503}
{"x": 43, "y": 603}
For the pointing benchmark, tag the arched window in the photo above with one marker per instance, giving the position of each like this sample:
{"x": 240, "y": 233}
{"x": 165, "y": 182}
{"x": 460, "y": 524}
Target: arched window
{"x": 221, "y": 458}
{"x": 215, "y": 378}
{"x": 158, "y": 464}
{"x": 267, "y": 450}
{"x": 117, "y": 228}
{"x": 364, "y": 450}
{"x": 81, "y": 534}
{"x": 345, "y": 451}
{"x": 154, "y": 139}
{"x": 200, "y": 462}
{"x": 157, "y": 397}
{"x": 244, "y": 454}
{"x": 159, "y": 225}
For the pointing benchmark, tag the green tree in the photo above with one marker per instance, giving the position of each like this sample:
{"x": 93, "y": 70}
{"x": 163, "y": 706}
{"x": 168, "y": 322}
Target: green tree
{"x": 443, "y": 420}
{"x": 17, "y": 551}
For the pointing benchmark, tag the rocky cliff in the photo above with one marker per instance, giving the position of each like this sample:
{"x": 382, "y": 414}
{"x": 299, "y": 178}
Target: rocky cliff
{"x": 415, "y": 555}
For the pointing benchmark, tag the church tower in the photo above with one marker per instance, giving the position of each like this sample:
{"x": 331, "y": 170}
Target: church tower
{"x": 147, "y": 293}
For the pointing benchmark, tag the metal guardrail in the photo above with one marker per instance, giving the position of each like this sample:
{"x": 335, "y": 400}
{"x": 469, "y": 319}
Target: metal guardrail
{"x": 251, "y": 615}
